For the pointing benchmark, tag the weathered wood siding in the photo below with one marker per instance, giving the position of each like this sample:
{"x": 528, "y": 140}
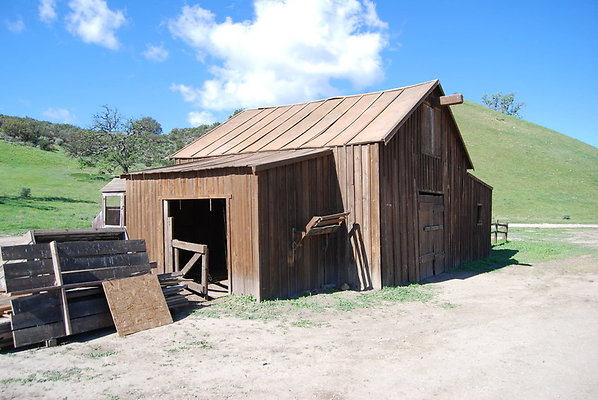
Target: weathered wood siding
{"x": 145, "y": 215}
{"x": 357, "y": 170}
{"x": 289, "y": 196}
{"x": 380, "y": 184}
{"x": 408, "y": 167}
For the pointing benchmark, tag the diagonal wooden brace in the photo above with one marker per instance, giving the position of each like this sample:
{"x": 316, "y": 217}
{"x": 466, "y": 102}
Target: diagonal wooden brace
{"x": 58, "y": 274}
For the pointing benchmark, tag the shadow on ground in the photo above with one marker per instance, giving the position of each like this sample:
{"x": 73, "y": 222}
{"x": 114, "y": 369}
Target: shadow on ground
{"x": 499, "y": 258}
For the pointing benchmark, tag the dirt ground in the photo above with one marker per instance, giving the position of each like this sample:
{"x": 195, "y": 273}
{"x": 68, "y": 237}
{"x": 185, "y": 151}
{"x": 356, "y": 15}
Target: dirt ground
{"x": 519, "y": 332}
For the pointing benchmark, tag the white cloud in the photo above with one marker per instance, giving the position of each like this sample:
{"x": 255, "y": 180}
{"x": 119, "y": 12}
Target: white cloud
{"x": 47, "y": 10}
{"x": 16, "y": 26}
{"x": 60, "y": 115}
{"x": 197, "y": 118}
{"x": 94, "y": 22}
{"x": 156, "y": 53}
{"x": 293, "y": 50}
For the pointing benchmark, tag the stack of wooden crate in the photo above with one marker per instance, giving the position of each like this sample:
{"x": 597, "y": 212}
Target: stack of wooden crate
{"x": 55, "y": 289}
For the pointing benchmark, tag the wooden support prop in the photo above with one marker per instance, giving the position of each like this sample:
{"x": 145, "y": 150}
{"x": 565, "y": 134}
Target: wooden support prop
{"x": 450, "y": 100}
{"x": 204, "y": 272}
{"x": 190, "y": 263}
{"x": 58, "y": 275}
{"x": 177, "y": 259}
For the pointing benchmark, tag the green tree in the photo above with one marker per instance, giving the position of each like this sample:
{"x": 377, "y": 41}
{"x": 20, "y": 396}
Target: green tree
{"x": 22, "y": 129}
{"x": 114, "y": 142}
{"x": 237, "y": 111}
{"x": 146, "y": 125}
{"x": 503, "y": 103}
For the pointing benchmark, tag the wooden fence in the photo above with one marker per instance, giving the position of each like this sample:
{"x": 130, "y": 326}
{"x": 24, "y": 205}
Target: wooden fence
{"x": 200, "y": 251}
{"x": 498, "y": 228}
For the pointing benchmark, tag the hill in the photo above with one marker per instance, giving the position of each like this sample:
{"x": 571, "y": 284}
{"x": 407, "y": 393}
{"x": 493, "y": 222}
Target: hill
{"x": 62, "y": 194}
{"x": 538, "y": 175}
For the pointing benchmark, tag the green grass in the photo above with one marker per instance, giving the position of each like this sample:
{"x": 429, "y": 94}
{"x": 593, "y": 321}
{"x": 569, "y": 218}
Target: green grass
{"x": 62, "y": 194}
{"x": 538, "y": 175}
{"x": 101, "y": 354}
{"x": 529, "y": 246}
{"x": 69, "y": 374}
{"x": 245, "y": 307}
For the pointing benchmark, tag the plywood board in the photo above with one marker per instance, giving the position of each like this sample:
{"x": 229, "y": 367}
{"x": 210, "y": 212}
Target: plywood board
{"x": 136, "y": 304}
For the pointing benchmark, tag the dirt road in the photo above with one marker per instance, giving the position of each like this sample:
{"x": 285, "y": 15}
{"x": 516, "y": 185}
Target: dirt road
{"x": 521, "y": 332}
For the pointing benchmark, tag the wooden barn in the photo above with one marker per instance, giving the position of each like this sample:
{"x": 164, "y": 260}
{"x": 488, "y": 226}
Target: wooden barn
{"x": 370, "y": 190}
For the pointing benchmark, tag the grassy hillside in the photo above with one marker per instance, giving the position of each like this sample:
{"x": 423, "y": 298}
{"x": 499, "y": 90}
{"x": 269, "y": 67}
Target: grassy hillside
{"x": 62, "y": 195}
{"x": 538, "y": 175}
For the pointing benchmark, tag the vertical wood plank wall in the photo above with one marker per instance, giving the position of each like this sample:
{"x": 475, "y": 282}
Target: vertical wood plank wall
{"x": 289, "y": 197}
{"x": 406, "y": 171}
{"x": 379, "y": 184}
{"x": 145, "y": 220}
{"x": 357, "y": 170}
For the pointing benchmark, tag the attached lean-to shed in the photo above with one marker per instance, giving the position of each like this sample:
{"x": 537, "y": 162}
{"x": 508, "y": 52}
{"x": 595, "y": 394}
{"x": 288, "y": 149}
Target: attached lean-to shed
{"x": 370, "y": 190}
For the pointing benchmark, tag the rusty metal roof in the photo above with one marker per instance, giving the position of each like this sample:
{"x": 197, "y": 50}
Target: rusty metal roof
{"x": 337, "y": 121}
{"x": 257, "y": 161}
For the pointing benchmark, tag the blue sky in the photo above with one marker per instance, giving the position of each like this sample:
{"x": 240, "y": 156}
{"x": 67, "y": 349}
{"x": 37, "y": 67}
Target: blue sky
{"x": 188, "y": 62}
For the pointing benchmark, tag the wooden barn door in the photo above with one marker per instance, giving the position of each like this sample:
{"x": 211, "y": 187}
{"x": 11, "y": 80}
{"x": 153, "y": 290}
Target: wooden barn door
{"x": 431, "y": 235}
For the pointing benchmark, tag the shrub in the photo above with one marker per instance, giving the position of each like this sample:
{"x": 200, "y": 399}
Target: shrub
{"x": 25, "y": 193}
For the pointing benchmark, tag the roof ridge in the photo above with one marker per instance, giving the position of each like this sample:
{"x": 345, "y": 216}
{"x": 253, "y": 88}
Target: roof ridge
{"x": 345, "y": 96}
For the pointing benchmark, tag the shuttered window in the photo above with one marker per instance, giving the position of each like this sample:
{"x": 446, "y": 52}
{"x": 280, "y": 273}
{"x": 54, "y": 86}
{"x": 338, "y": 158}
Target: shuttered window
{"x": 431, "y": 130}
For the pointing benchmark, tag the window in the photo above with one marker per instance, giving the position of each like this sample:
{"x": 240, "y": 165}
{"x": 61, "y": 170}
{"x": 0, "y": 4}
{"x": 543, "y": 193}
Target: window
{"x": 431, "y": 130}
{"x": 479, "y": 214}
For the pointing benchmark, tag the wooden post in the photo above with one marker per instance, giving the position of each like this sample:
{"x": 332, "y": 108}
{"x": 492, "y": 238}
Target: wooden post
{"x": 103, "y": 210}
{"x": 496, "y": 232}
{"x": 204, "y": 271}
{"x": 58, "y": 275}
{"x": 177, "y": 259}
{"x": 168, "y": 225}
{"x": 122, "y": 209}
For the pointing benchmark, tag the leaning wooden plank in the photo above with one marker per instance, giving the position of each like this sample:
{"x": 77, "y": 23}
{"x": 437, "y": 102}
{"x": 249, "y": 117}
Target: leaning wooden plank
{"x": 70, "y": 235}
{"x": 104, "y": 274}
{"x": 88, "y": 284}
{"x": 24, "y": 285}
{"x": 104, "y": 247}
{"x": 51, "y": 311}
{"x": 136, "y": 304}
{"x": 25, "y": 252}
{"x": 63, "y": 300}
{"x": 27, "y": 268}
{"x": 35, "y": 302}
{"x": 101, "y": 261}
{"x": 37, "y": 334}
{"x": 84, "y": 292}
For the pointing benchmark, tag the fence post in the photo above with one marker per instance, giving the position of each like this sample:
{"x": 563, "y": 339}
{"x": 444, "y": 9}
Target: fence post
{"x": 496, "y": 231}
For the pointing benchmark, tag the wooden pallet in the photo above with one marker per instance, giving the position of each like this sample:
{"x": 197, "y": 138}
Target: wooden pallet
{"x": 53, "y": 287}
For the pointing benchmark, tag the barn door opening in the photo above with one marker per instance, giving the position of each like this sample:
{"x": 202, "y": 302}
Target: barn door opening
{"x": 200, "y": 221}
{"x": 431, "y": 235}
